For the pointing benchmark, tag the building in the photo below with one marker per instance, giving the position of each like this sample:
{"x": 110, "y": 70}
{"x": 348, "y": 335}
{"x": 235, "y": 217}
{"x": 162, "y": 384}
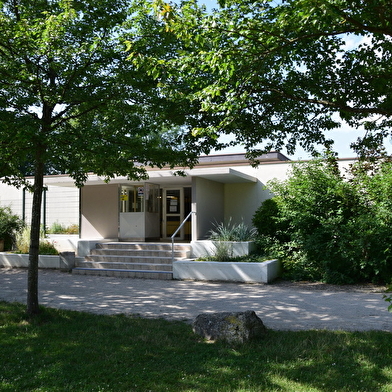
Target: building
{"x": 218, "y": 188}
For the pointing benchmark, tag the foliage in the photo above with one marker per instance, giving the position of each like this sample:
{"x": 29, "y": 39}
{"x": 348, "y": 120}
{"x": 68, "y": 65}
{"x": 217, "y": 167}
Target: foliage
{"x": 62, "y": 351}
{"x": 266, "y": 220}
{"x": 223, "y": 234}
{"x": 23, "y": 243}
{"x": 223, "y": 251}
{"x": 251, "y": 258}
{"x": 283, "y": 71}
{"x": 388, "y": 298}
{"x": 10, "y": 226}
{"x": 232, "y": 232}
{"x": 71, "y": 102}
{"x": 58, "y": 228}
{"x": 336, "y": 229}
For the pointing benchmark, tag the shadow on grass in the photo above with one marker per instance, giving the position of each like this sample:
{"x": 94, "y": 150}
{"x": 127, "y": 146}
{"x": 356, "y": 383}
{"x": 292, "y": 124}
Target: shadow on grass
{"x": 72, "y": 351}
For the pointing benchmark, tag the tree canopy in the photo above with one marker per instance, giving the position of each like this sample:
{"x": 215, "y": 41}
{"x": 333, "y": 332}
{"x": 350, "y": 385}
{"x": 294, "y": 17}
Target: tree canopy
{"x": 284, "y": 71}
{"x": 71, "y": 102}
{"x": 69, "y": 98}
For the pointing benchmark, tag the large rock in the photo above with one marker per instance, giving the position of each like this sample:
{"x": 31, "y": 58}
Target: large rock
{"x": 234, "y": 327}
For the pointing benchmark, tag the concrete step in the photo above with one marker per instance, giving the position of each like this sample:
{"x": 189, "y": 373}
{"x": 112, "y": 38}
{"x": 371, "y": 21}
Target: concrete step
{"x": 140, "y": 253}
{"x": 126, "y": 266}
{"x": 145, "y": 260}
{"x": 109, "y": 258}
{"x": 119, "y": 273}
{"x": 143, "y": 246}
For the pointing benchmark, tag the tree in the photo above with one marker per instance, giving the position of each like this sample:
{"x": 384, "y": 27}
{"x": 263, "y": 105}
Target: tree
{"x": 284, "y": 71}
{"x": 70, "y": 101}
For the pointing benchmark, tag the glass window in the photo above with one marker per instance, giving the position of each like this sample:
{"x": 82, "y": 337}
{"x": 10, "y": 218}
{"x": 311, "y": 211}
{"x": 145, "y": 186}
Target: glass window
{"x": 152, "y": 197}
{"x": 173, "y": 205}
{"x": 132, "y": 198}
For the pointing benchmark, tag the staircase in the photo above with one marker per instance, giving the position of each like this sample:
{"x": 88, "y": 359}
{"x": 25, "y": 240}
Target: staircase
{"x": 132, "y": 260}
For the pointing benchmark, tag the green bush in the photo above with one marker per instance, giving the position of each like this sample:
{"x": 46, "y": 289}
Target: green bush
{"x": 23, "y": 243}
{"x": 268, "y": 222}
{"x": 10, "y": 226}
{"x": 324, "y": 226}
{"x": 72, "y": 229}
{"x": 58, "y": 228}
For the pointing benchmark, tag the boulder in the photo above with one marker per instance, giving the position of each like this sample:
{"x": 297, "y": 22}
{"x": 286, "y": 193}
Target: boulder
{"x": 234, "y": 327}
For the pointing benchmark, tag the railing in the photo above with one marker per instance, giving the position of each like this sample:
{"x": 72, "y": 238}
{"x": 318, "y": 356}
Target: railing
{"x": 178, "y": 229}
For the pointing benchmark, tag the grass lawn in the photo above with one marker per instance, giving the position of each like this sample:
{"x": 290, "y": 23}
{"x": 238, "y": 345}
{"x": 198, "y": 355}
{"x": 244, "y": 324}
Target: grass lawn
{"x": 72, "y": 351}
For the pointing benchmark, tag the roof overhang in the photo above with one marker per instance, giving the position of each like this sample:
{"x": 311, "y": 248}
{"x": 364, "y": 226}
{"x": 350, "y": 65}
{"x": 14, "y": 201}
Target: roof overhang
{"x": 223, "y": 175}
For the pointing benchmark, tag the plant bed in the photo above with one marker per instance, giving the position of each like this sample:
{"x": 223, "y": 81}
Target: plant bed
{"x": 234, "y": 271}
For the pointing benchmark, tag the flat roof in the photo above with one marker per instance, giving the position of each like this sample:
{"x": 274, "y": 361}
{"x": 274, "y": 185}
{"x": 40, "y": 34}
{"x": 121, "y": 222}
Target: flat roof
{"x": 213, "y": 167}
{"x": 224, "y": 175}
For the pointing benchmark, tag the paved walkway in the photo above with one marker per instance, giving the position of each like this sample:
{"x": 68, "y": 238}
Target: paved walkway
{"x": 283, "y": 306}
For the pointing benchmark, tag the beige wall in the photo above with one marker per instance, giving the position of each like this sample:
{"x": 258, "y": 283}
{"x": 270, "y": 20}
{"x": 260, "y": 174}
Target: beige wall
{"x": 242, "y": 200}
{"x": 100, "y": 211}
{"x": 208, "y": 202}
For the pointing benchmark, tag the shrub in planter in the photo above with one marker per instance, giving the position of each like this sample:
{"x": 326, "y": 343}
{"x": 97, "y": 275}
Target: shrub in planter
{"x": 10, "y": 225}
{"x": 224, "y": 235}
{"x": 232, "y": 232}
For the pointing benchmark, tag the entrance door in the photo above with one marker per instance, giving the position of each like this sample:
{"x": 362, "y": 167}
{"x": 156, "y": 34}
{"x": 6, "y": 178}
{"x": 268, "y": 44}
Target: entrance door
{"x": 173, "y": 212}
{"x": 139, "y": 212}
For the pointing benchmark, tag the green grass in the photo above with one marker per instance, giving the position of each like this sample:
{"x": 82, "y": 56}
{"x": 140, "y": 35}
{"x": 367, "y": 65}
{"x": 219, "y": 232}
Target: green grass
{"x": 71, "y": 351}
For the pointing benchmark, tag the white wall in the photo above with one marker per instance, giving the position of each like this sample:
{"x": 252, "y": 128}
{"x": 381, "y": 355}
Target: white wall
{"x": 62, "y": 203}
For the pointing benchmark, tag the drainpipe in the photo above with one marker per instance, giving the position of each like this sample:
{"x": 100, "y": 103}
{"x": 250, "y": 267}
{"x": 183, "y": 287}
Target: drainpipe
{"x": 24, "y": 205}
{"x": 44, "y": 211}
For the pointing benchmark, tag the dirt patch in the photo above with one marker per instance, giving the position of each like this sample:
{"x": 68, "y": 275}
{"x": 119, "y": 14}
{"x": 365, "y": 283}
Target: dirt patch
{"x": 360, "y": 288}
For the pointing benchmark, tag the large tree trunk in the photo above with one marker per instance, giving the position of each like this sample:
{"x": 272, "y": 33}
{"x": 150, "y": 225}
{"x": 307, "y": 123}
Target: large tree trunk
{"x": 32, "y": 281}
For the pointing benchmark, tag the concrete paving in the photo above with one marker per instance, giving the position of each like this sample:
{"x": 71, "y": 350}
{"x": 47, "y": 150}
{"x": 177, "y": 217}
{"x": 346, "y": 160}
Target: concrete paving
{"x": 281, "y": 305}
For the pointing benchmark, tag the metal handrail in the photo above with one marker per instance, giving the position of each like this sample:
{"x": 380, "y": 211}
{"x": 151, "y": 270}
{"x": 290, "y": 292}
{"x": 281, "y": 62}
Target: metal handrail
{"x": 178, "y": 229}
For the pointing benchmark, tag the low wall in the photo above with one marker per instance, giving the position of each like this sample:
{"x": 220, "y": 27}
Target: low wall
{"x": 64, "y": 242}
{"x": 64, "y": 261}
{"x": 264, "y": 272}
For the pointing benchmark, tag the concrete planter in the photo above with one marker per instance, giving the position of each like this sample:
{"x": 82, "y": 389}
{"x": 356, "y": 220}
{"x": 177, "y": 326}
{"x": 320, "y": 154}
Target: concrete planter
{"x": 64, "y": 242}
{"x": 264, "y": 272}
{"x": 13, "y": 260}
{"x": 207, "y": 247}
{"x": 64, "y": 261}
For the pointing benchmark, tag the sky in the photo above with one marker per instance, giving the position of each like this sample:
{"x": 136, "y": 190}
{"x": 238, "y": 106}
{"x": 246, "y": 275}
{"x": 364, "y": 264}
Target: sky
{"x": 342, "y": 137}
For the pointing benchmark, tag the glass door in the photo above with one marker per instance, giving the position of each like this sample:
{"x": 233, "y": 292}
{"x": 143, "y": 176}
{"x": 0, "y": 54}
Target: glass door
{"x": 139, "y": 212}
{"x": 173, "y": 213}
